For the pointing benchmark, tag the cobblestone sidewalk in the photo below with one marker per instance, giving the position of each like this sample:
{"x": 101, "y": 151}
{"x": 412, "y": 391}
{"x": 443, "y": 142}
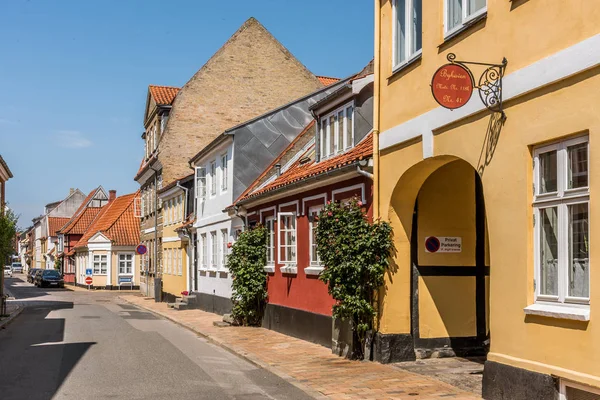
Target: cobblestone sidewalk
{"x": 309, "y": 366}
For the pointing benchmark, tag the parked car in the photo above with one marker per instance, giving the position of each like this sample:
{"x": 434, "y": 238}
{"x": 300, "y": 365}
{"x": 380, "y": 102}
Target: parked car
{"x": 49, "y": 277}
{"x": 31, "y": 274}
{"x": 7, "y": 271}
{"x": 17, "y": 267}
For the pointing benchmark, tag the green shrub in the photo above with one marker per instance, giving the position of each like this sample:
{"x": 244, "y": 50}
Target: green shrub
{"x": 246, "y": 264}
{"x": 355, "y": 254}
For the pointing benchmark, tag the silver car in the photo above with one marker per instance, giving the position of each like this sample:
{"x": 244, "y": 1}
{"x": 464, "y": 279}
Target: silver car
{"x": 8, "y": 271}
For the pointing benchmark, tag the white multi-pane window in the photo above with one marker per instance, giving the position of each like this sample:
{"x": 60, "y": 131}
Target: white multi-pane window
{"x": 213, "y": 178}
{"x": 214, "y": 249}
{"x": 224, "y": 242}
{"x": 179, "y": 262}
{"x": 270, "y": 226}
{"x": 99, "y": 264}
{"x": 313, "y": 215}
{"x": 224, "y": 172}
{"x": 287, "y": 237}
{"x": 179, "y": 208}
{"x": 126, "y": 264}
{"x": 203, "y": 250}
{"x": 407, "y": 31}
{"x": 336, "y": 133}
{"x": 200, "y": 183}
{"x": 561, "y": 212}
{"x": 459, "y": 13}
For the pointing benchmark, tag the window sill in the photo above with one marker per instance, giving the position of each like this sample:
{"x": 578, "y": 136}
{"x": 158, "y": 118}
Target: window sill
{"x": 465, "y": 26}
{"x": 269, "y": 268}
{"x": 559, "y": 311}
{"x": 289, "y": 269}
{"x": 399, "y": 68}
{"x": 313, "y": 270}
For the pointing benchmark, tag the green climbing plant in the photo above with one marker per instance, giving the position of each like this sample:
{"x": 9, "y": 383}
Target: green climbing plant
{"x": 355, "y": 254}
{"x": 246, "y": 264}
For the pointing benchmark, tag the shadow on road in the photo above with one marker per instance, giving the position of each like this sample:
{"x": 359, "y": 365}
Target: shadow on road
{"x": 34, "y": 361}
{"x": 18, "y": 285}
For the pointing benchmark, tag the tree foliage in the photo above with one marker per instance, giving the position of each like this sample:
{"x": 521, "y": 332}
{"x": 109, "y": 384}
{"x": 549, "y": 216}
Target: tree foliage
{"x": 246, "y": 264}
{"x": 8, "y": 230}
{"x": 355, "y": 254}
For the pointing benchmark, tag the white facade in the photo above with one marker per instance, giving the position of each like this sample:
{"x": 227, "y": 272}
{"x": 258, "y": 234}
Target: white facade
{"x": 215, "y": 229}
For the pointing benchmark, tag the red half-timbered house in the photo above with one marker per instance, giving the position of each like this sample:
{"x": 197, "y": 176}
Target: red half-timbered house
{"x": 331, "y": 160}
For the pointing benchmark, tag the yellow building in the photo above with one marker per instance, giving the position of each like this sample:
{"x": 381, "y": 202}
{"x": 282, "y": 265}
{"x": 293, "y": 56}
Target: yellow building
{"x": 107, "y": 250}
{"x": 490, "y": 206}
{"x": 177, "y": 205}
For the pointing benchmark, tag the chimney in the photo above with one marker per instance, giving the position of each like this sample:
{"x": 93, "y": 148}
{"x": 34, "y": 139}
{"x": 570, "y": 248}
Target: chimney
{"x": 278, "y": 169}
{"x": 71, "y": 191}
{"x": 112, "y": 194}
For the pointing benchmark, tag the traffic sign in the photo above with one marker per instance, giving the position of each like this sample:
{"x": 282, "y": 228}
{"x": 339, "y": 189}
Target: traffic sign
{"x": 141, "y": 249}
{"x": 88, "y": 272}
{"x": 432, "y": 244}
{"x": 88, "y": 280}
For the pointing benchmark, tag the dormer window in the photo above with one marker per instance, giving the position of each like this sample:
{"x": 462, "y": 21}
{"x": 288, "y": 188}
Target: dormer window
{"x": 336, "y": 131}
{"x": 163, "y": 123}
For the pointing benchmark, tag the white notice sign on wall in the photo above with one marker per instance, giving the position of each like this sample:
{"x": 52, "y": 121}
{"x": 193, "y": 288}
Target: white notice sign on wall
{"x": 443, "y": 244}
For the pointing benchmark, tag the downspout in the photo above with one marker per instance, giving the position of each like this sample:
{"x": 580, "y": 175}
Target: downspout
{"x": 364, "y": 173}
{"x": 189, "y": 236}
{"x": 376, "y": 111}
{"x": 155, "y": 228}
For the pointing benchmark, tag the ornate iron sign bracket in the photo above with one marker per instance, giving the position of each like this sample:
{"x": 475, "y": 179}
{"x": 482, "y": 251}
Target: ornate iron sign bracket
{"x": 489, "y": 84}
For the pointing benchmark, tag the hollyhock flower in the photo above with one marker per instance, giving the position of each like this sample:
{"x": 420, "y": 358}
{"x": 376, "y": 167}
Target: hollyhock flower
{"x": 330, "y": 213}
{"x": 360, "y": 203}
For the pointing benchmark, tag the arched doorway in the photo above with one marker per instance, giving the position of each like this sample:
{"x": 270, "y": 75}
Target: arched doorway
{"x": 439, "y": 203}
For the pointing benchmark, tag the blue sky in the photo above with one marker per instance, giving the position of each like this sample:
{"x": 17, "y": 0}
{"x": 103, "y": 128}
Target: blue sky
{"x": 74, "y": 77}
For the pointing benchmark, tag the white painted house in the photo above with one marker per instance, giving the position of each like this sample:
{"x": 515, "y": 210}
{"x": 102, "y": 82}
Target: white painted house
{"x": 223, "y": 171}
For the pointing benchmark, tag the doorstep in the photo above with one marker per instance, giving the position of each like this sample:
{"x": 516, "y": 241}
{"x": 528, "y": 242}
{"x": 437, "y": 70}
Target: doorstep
{"x": 308, "y": 366}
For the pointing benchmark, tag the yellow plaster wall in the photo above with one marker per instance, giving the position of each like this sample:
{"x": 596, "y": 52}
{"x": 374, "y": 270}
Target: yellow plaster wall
{"x": 565, "y": 348}
{"x": 447, "y": 306}
{"x": 173, "y": 283}
{"x": 521, "y": 31}
{"x": 115, "y": 267}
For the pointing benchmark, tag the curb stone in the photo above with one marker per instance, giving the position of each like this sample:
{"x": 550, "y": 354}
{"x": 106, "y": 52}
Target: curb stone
{"x": 15, "y": 314}
{"x": 240, "y": 353}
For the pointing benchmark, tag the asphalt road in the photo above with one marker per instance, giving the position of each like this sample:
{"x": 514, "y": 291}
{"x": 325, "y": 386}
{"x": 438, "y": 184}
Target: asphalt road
{"x": 91, "y": 345}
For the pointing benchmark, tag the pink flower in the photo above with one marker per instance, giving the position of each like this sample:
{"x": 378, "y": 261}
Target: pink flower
{"x": 328, "y": 201}
{"x": 360, "y": 203}
{"x": 330, "y": 213}
{"x": 337, "y": 220}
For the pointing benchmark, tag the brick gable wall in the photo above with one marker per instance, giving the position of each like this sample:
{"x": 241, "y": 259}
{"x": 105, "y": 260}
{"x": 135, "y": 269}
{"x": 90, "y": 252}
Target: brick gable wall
{"x": 250, "y": 75}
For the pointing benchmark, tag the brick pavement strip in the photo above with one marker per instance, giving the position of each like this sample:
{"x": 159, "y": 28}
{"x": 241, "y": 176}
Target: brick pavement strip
{"x": 311, "y": 367}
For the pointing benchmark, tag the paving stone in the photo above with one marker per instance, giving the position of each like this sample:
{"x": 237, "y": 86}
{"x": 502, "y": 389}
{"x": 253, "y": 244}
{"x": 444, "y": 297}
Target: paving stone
{"x": 312, "y": 366}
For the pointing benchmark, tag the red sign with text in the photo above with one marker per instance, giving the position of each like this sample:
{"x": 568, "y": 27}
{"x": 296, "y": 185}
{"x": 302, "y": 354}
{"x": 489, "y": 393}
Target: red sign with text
{"x": 452, "y": 86}
{"x": 88, "y": 280}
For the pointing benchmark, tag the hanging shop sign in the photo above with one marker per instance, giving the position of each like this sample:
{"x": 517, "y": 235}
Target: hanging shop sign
{"x": 443, "y": 244}
{"x": 453, "y": 84}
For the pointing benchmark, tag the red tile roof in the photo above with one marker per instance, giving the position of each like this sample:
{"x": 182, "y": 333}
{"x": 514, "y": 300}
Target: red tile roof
{"x": 77, "y": 214}
{"x": 83, "y": 221}
{"x": 326, "y": 80}
{"x": 163, "y": 95}
{"x": 55, "y": 223}
{"x": 117, "y": 222}
{"x": 300, "y": 171}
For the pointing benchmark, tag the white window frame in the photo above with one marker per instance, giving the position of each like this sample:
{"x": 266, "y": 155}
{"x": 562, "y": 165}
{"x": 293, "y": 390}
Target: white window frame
{"x": 180, "y": 208}
{"x": 214, "y": 249}
{"x": 325, "y": 132}
{"x": 179, "y": 262}
{"x": 466, "y": 18}
{"x": 224, "y": 173}
{"x": 213, "y": 178}
{"x": 100, "y": 260}
{"x": 312, "y": 225}
{"x": 224, "y": 241}
{"x": 126, "y": 261}
{"x": 204, "y": 251}
{"x": 200, "y": 183}
{"x": 561, "y": 199}
{"x": 270, "y": 258}
{"x": 281, "y": 244}
{"x": 410, "y": 55}
{"x": 566, "y": 383}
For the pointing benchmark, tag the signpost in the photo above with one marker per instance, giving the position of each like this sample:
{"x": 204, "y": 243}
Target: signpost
{"x": 443, "y": 244}
{"x": 88, "y": 281}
